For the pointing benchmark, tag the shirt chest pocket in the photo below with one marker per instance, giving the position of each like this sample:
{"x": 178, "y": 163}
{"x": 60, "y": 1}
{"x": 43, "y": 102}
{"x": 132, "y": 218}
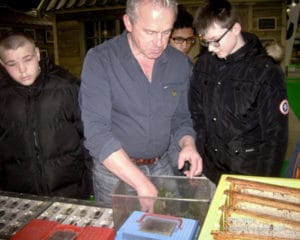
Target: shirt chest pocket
{"x": 171, "y": 96}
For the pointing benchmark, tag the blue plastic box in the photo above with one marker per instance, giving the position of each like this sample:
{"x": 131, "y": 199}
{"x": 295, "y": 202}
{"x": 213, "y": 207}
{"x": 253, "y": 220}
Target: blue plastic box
{"x": 187, "y": 229}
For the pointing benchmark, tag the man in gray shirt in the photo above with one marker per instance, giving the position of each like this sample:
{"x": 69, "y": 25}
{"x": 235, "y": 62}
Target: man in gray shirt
{"x": 134, "y": 103}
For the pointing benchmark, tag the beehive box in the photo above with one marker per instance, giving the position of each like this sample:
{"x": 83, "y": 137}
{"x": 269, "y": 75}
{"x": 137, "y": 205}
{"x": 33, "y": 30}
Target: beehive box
{"x": 214, "y": 219}
{"x": 178, "y": 196}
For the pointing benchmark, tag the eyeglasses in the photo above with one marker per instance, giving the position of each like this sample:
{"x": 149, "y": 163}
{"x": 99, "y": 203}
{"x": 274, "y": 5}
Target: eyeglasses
{"x": 180, "y": 40}
{"x": 215, "y": 43}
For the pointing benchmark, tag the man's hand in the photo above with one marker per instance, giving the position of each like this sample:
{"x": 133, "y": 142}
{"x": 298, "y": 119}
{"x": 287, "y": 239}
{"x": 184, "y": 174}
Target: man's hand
{"x": 147, "y": 203}
{"x": 120, "y": 165}
{"x": 189, "y": 153}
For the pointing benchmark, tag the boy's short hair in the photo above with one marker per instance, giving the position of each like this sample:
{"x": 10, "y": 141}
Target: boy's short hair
{"x": 215, "y": 11}
{"x": 14, "y": 40}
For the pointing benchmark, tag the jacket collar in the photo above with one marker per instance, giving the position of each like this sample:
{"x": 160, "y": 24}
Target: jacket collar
{"x": 252, "y": 47}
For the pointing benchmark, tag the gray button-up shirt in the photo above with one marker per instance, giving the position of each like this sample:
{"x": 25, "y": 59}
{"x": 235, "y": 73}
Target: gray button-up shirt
{"x": 122, "y": 109}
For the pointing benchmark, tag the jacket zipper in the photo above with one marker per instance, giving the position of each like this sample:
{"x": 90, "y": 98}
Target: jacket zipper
{"x": 39, "y": 180}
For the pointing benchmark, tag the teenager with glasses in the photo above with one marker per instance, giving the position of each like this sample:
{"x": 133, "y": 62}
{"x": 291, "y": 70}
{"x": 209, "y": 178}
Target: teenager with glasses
{"x": 237, "y": 98}
{"x": 183, "y": 36}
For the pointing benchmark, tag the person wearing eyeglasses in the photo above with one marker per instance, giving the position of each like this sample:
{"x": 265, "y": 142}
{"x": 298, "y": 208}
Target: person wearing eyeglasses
{"x": 237, "y": 98}
{"x": 183, "y": 36}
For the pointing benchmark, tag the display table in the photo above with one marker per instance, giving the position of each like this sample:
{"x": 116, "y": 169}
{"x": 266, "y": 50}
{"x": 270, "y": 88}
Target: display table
{"x": 17, "y": 210}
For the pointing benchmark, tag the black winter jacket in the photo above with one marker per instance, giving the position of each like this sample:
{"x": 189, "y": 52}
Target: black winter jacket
{"x": 239, "y": 109}
{"x": 41, "y": 136}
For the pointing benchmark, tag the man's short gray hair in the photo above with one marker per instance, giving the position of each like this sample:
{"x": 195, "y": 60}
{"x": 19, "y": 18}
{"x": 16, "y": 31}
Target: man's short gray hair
{"x": 133, "y": 5}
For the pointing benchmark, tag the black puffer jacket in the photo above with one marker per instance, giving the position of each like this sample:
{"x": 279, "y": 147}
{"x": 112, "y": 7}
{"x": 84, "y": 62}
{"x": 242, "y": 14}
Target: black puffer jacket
{"x": 239, "y": 109}
{"x": 41, "y": 150}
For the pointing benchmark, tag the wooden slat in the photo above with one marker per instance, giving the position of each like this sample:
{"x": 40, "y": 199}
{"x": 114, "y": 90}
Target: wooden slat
{"x": 61, "y": 4}
{"x": 80, "y": 3}
{"x": 51, "y": 5}
{"x": 91, "y": 2}
{"x": 71, "y": 3}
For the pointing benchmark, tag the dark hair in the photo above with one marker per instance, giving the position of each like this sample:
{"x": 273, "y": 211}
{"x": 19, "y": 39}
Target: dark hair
{"x": 184, "y": 19}
{"x": 215, "y": 11}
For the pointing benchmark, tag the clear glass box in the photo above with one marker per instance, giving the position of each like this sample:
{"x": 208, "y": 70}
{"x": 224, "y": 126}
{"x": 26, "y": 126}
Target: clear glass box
{"x": 178, "y": 196}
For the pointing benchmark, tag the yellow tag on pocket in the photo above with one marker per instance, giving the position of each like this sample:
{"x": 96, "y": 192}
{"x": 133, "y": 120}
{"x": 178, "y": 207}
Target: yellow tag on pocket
{"x": 174, "y": 93}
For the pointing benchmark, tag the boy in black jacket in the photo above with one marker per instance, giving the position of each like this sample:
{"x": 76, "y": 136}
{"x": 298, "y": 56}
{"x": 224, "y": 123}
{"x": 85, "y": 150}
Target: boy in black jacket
{"x": 41, "y": 135}
{"x": 238, "y": 98}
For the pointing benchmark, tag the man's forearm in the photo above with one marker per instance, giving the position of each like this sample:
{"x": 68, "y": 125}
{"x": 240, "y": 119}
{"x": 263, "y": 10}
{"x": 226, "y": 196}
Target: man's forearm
{"x": 120, "y": 165}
